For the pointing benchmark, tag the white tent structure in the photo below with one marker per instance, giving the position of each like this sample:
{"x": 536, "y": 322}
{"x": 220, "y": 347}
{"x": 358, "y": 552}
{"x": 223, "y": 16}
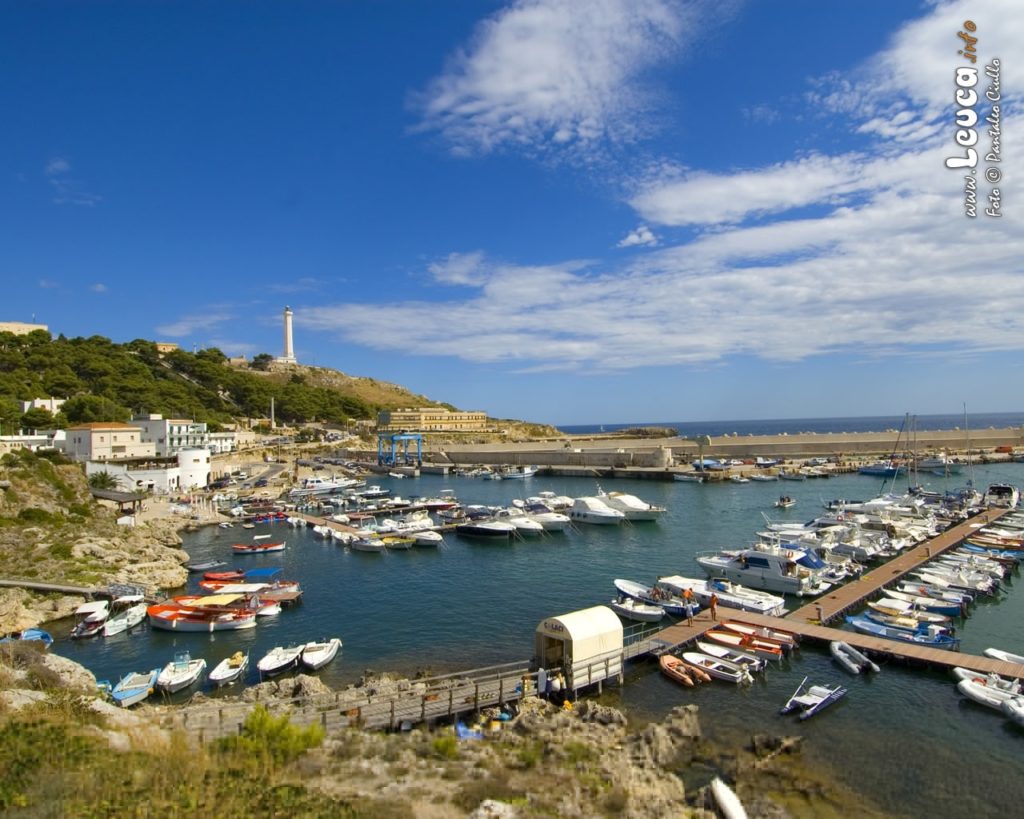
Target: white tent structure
{"x": 586, "y": 645}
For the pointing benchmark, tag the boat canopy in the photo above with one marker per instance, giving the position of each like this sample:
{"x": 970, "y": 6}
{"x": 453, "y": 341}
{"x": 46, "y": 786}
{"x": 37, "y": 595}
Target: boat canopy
{"x": 93, "y": 607}
{"x": 216, "y": 600}
{"x": 238, "y": 588}
{"x": 265, "y": 572}
{"x": 586, "y": 644}
{"x": 809, "y": 560}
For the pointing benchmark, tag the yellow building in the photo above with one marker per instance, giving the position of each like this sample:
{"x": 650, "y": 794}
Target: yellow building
{"x": 105, "y": 441}
{"x": 431, "y": 419}
{"x": 164, "y": 347}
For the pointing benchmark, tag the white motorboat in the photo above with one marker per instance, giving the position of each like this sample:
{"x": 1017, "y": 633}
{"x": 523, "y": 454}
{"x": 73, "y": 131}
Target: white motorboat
{"x": 752, "y": 662}
{"x": 809, "y": 701}
{"x": 688, "y": 477}
{"x": 900, "y": 608}
{"x": 630, "y": 505}
{"x": 718, "y": 668}
{"x": 524, "y": 524}
{"x": 89, "y": 619}
{"x": 987, "y": 695}
{"x": 787, "y": 571}
{"x": 670, "y": 603}
{"x": 729, "y": 594}
{"x": 594, "y": 510}
{"x": 1005, "y": 656}
{"x": 551, "y": 520}
{"x": 318, "y": 654}
{"x": 925, "y": 603}
{"x": 180, "y": 673}
{"x": 278, "y": 660}
{"x": 368, "y": 544}
{"x": 1002, "y": 495}
{"x": 229, "y": 670}
{"x": 738, "y": 478}
{"x": 850, "y": 658}
{"x": 322, "y": 486}
{"x": 635, "y": 610}
{"x": 126, "y": 612}
{"x": 426, "y": 537}
{"x": 553, "y": 501}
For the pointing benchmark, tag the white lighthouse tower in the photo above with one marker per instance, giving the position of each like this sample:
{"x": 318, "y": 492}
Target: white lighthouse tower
{"x": 289, "y": 350}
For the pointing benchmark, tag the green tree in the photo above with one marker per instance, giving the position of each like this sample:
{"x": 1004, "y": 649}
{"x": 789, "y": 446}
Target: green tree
{"x": 261, "y": 361}
{"x": 103, "y": 480}
{"x": 85, "y": 408}
{"x": 38, "y": 418}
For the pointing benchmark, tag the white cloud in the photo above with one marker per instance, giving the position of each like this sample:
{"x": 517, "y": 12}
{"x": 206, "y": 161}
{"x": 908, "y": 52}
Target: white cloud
{"x": 561, "y": 74}
{"x": 459, "y": 268}
{"x": 66, "y": 189}
{"x": 642, "y": 236}
{"x": 192, "y": 324}
{"x": 99, "y": 287}
{"x": 48, "y": 284}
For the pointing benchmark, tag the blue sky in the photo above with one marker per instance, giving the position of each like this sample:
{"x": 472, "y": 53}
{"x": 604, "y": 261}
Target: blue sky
{"x": 561, "y": 211}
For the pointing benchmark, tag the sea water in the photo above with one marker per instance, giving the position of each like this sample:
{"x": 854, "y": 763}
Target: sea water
{"x": 905, "y": 738}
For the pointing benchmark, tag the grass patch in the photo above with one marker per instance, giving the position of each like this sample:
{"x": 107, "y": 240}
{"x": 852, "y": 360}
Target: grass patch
{"x": 446, "y": 747}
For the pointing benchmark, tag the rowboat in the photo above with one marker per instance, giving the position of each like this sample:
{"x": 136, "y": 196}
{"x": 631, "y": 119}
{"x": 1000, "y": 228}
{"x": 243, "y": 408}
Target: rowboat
{"x": 205, "y": 565}
{"x": 901, "y": 608}
{"x": 809, "y": 701}
{"x": 718, "y": 668}
{"x": 744, "y": 642}
{"x": 279, "y": 659}
{"x": 229, "y": 669}
{"x": 921, "y": 602}
{"x": 785, "y": 639}
{"x": 35, "y": 635}
{"x": 850, "y": 658}
{"x": 634, "y": 610}
{"x": 125, "y": 613}
{"x": 318, "y": 654}
{"x": 675, "y": 669}
{"x": 133, "y": 688}
{"x": 180, "y": 673}
{"x": 733, "y": 655}
{"x": 257, "y": 548}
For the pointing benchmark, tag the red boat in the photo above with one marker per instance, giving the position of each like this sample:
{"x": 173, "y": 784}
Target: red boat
{"x": 224, "y": 577}
{"x": 257, "y": 547}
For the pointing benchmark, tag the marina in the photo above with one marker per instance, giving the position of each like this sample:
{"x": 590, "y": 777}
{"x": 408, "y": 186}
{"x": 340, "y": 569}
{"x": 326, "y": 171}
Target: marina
{"x": 477, "y": 604}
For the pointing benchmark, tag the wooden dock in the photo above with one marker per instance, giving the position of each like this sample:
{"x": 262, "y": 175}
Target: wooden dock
{"x": 808, "y": 621}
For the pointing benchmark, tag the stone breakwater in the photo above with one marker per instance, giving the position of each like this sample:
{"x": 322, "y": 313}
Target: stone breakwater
{"x": 613, "y": 451}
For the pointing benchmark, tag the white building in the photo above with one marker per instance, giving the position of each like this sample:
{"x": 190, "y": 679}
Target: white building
{"x": 105, "y": 441}
{"x": 191, "y": 471}
{"x": 52, "y": 405}
{"x": 170, "y": 435}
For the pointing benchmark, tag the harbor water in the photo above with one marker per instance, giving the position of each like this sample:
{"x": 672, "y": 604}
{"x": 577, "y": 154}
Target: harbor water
{"x": 904, "y": 738}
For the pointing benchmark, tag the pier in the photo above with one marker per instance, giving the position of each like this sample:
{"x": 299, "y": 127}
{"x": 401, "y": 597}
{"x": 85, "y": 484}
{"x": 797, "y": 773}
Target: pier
{"x": 809, "y": 621}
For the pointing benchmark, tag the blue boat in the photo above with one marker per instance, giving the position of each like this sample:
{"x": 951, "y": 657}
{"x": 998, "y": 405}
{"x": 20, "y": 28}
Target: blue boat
{"x": 32, "y": 634}
{"x": 132, "y": 688}
{"x": 929, "y": 636}
{"x": 882, "y": 469}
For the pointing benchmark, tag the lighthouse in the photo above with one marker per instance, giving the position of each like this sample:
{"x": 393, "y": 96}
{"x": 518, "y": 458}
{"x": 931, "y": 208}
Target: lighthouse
{"x": 289, "y": 350}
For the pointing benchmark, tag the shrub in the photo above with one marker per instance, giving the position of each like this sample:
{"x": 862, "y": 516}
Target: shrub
{"x": 530, "y": 754}
{"x": 265, "y": 736}
{"x": 446, "y": 747}
{"x": 33, "y": 514}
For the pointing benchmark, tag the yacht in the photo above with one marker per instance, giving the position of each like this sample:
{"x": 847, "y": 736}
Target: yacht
{"x": 630, "y": 505}
{"x": 732, "y": 595}
{"x": 772, "y": 568}
{"x": 1002, "y": 494}
{"x": 594, "y": 510}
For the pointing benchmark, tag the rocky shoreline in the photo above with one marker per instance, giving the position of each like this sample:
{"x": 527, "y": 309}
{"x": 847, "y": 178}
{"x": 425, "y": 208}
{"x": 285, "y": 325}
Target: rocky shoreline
{"x": 532, "y": 760}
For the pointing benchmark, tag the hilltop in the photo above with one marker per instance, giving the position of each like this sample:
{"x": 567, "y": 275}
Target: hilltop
{"x": 106, "y": 381}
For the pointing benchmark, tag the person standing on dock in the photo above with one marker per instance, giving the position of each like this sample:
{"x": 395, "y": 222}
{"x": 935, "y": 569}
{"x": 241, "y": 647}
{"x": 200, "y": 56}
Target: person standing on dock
{"x": 713, "y": 605}
{"x": 688, "y": 601}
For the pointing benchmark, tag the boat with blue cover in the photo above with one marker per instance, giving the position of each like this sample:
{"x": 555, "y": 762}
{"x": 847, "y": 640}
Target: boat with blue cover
{"x": 672, "y": 604}
{"x": 934, "y": 636}
{"x": 132, "y": 688}
{"x": 35, "y": 635}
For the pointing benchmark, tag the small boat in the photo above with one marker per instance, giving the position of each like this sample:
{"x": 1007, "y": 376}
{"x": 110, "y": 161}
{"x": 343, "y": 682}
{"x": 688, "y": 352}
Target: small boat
{"x": 490, "y": 529}
{"x": 317, "y": 655}
{"x": 594, "y": 510}
{"x": 907, "y": 621}
{"x": 230, "y": 669}
{"x": 258, "y": 547}
{"x": 987, "y": 695}
{"x": 809, "y": 701}
{"x": 672, "y": 604}
{"x": 634, "y": 610}
{"x": 225, "y": 577}
{"x": 728, "y": 802}
{"x": 718, "y": 668}
{"x": 923, "y": 603}
{"x": 89, "y": 619}
{"x": 750, "y": 661}
{"x": 688, "y": 477}
{"x": 134, "y": 687}
{"x": 675, "y": 669}
{"x": 744, "y": 642}
{"x": 1014, "y": 710}
{"x": 784, "y": 502}
{"x": 125, "y": 613}
{"x": 279, "y": 659}
{"x": 204, "y": 566}
{"x": 180, "y": 673}
{"x": 426, "y": 537}
{"x": 850, "y": 658}
{"x": 368, "y": 544}
{"x": 1005, "y": 656}
{"x": 785, "y": 639}
{"x": 992, "y": 680}
{"x": 30, "y": 634}
{"x": 738, "y": 478}
{"x": 929, "y": 636}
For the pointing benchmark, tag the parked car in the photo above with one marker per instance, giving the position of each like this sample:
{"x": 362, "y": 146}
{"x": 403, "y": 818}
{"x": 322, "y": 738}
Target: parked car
{"x": 261, "y": 482}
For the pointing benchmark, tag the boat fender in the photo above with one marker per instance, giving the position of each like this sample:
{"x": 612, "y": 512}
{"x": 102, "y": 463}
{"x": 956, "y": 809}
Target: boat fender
{"x": 789, "y": 554}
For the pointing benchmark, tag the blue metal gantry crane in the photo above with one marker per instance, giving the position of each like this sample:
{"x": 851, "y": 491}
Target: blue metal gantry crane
{"x": 398, "y": 452}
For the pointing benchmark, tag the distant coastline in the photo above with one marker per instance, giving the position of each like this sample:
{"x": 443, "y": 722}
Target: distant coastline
{"x": 796, "y": 426}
